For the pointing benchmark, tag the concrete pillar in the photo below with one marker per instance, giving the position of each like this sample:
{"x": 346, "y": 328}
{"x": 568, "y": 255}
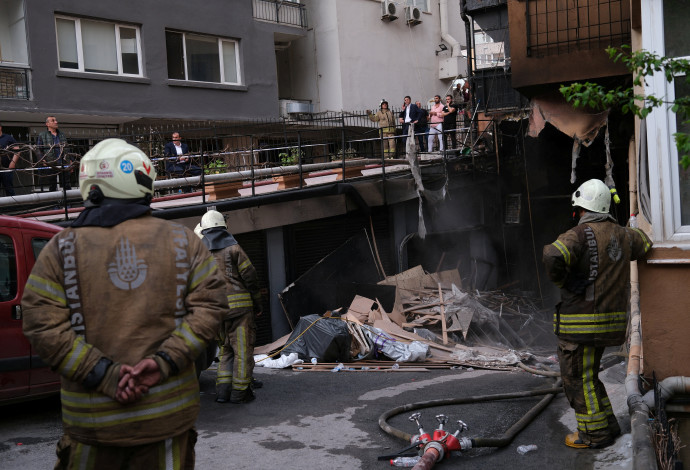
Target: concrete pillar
{"x": 276, "y": 280}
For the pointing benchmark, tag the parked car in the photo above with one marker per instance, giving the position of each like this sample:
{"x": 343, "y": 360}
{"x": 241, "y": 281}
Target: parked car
{"x": 23, "y": 375}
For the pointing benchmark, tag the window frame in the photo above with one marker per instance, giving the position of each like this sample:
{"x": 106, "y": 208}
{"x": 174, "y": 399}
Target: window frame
{"x": 118, "y": 47}
{"x": 662, "y": 151}
{"x": 221, "y": 60}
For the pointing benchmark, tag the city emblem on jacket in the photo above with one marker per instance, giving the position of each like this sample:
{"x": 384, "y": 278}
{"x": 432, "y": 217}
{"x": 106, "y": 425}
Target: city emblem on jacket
{"x": 127, "y": 272}
{"x": 614, "y": 249}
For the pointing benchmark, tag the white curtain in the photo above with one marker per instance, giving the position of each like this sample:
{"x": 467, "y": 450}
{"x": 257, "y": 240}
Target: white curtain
{"x": 98, "y": 43}
{"x": 230, "y": 62}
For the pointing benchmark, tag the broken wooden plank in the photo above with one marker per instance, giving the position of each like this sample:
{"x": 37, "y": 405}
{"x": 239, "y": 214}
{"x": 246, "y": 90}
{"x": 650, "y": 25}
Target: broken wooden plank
{"x": 443, "y": 315}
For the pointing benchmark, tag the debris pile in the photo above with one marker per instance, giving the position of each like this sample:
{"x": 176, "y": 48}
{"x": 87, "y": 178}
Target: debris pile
{"x": 433, "y": 323}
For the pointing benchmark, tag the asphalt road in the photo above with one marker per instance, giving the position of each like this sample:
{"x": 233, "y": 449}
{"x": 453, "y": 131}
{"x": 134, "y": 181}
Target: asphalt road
{"x": 315, "y": 420}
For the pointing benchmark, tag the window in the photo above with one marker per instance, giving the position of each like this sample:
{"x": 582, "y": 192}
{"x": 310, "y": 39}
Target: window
{"x": 669, "y": 183}
{"x": 423, "y": 5}
{"x": 98, "y": 46}
{"x": 200, "y": 58}
{"x": 8, "y": 269}
{"x": 37, "y": 245}
{"x": 13, "y": 48}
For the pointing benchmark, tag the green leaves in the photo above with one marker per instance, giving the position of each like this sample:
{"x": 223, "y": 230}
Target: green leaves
{"x": 641, "y": 64}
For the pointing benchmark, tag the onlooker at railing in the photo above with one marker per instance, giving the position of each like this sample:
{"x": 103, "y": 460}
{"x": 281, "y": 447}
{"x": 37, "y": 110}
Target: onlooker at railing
{"x": 421, "y": 127}
{"x": 8, "y": 161}
{"x": 51, "y": 147}
{"x": 450, "y": 115}
{"x": 409, "y": 115}
{"x": 436, "y": 127}
{"x": 386, "y": 121}
{"x": 177, "y": 161}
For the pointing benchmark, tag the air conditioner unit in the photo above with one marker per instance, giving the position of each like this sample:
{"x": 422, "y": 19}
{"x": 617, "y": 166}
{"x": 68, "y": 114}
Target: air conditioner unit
{"x": 389, "y": 11}
{"x": 413, "y": 15}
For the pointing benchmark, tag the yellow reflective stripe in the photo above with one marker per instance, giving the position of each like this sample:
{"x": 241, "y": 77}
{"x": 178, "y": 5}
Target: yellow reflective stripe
{"x": 190, "y": 338}
{"x": 588, "y": 376}
{"x": 647, "y": 245}
{"x": 592, "y": 329}
{"x": 91, "y": 400}
{"x": 48, "y": 289}
{"x": 593, "y": 317}
{"x": 240, "y": 300}
{"x": 169, "y": 454}
{"x": 590, "y": 418}
{"x": 244, "y": 265}
{"x": 71, "y": 361}
{"x": 564, "y": 251}
{"x": 153, "y": 410}
{"x": 84, "y": 456}
{"x": 241, "y": 354}
{"x": 202, "y": 272}
{"x": 245, "y": 295}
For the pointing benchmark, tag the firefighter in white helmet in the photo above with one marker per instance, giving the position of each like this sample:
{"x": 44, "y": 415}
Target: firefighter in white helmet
{"x": 234, "y": 380}
{"x": 591, "y": 265}
{"x": 120, "y": 304}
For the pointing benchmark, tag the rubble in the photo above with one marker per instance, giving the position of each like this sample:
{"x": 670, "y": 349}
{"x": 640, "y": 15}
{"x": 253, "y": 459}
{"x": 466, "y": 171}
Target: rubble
{"x": 433, "y": 323}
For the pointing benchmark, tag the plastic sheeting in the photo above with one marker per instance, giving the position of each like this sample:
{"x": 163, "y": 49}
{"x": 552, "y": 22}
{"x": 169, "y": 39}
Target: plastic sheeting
{"x": 282, "y": 362}
{"x": 326, "y": 339}
{"x": 398, "y": 351}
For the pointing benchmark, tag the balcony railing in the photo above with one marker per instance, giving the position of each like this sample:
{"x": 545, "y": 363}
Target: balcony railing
{"x": 280, "y": 11}
{"x": 14, "y": 83}
{"x": 559, "y": 27}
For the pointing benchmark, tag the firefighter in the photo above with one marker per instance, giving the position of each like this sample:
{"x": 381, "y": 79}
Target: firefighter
{"x": 386, "y": 121}
{"x": 234, "y": 380}
{"x": 120, "y": 304}
{"x": 591, "y": 265}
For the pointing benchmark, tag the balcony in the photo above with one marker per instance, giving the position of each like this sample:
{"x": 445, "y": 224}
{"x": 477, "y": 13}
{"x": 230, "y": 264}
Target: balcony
{"x": 554, "y": 42}
{"x": 281, "y": 12}
{"x": 14, "y": 83}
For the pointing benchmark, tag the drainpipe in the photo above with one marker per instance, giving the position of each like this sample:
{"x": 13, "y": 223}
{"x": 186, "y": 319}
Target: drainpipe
{"x": 454, "y": 44}
{"x": 643, "y": 450}
{"x": 468, "y": 35}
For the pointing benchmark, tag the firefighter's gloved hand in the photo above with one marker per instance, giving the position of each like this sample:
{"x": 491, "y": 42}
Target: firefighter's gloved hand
{"x": 576, "y": 283}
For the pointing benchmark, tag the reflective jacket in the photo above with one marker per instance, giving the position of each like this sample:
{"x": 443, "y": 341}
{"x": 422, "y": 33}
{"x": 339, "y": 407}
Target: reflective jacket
{"x": 242, "y": 281}
{"x": 591, "y": 265}
{"x": 385, "y": 119}
{"x": 125, "y": 292}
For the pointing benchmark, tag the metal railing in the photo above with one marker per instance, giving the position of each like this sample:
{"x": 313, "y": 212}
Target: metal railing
{"x": 246, "y": 158}
{"x": 555, "y": 27}
{"x": 280, "y": 11}
{"x": 14, "y": 83}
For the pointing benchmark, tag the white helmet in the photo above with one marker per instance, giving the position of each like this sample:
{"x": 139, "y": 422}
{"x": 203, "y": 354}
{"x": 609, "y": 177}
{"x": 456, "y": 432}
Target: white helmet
{"x": 117, "y": 170}
{"x": 213, "y": 219}
{"x": 594, "y": 196}
{"x": 197, "y": 231}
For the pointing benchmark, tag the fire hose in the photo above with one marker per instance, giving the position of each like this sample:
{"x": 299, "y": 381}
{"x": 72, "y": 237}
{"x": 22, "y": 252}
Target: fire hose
{"x": 441, "y": 443}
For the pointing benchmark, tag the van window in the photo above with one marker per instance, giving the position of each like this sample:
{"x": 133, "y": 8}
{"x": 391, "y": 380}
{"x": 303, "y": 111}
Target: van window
{"x": 8, "y": 269}
{"x": 37, "y": 244}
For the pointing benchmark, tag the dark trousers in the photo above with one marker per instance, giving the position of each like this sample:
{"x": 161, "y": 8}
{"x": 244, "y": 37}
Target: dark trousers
{"x": 6, "y": 182}
{"x": 449, "y": 134}
{"x": 586, "y": 394}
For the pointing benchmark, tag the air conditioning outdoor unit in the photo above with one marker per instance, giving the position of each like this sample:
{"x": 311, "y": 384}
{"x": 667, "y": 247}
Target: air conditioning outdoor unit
{"x": 413, "y": 15}
{"x": 389, "y": 11}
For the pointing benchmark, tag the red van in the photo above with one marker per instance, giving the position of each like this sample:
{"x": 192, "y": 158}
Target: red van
{"x": 23, "y": 375}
